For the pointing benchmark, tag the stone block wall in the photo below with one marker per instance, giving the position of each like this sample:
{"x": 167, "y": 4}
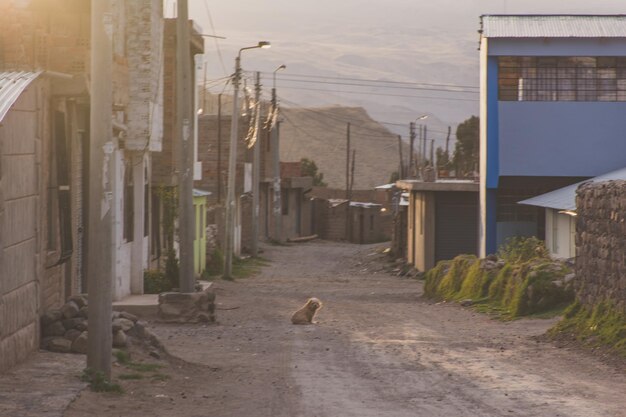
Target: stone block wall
{"x": 601, "y": 244}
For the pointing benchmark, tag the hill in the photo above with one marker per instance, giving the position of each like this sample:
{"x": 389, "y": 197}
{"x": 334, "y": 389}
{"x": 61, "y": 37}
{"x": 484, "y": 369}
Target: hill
{"x": 319, "y": 134}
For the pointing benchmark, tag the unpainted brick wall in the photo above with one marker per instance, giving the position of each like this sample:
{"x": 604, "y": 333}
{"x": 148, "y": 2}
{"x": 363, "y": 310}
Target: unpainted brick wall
{"x": 601, "y": 244}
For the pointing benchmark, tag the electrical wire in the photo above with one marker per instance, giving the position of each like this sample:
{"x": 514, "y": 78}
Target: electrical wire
{"x": 444, "y": 90}
{"x": 380, "y": 94}
{"x": 285, "y": 77}
{"x": 217, "y": 45}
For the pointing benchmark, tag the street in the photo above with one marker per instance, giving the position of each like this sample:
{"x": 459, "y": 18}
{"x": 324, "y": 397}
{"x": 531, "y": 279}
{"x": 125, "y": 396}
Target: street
{"x": 378, "y": 349}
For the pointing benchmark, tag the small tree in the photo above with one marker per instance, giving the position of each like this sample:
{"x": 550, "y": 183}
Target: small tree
{"x": 467, "y": 148}
{"x": 309, "y": 169}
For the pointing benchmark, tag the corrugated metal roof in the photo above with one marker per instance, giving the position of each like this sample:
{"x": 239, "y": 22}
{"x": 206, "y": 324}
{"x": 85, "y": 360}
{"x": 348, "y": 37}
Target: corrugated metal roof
{"x": 12, "y": 85}
{"x": 565, "y": 198}
{"x": 554, "y": 26}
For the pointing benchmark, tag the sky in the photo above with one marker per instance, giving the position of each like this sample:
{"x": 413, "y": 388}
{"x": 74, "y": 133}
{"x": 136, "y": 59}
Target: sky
{"x": 418, "y": 48}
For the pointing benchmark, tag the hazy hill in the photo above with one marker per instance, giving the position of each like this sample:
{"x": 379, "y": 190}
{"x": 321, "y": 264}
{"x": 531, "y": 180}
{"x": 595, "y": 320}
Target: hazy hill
{"x": 320, "y": 134}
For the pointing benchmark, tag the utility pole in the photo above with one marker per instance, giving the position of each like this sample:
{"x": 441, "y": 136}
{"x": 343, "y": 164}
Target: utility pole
{"x": 186, "y": 214}
{"x": 275, "y": 146}
{"x": 401, "y": 173}
{"x": 411, "y": 145}
{"x": 348, "y": 183}
{"x": 229, "y": 233}
{"x": 219, "y": 148}
{"x": 432, "y": 153}
{"x": 348, "y": 163}
{"x": 256, "y": 169}
{"x": 425, "y": 139}
{"x": 232, "y": 166}
{"x": 100, "y": 247}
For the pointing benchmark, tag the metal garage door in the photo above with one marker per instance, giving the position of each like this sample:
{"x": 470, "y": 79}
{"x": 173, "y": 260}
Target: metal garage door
{"x": 456, "y": 224}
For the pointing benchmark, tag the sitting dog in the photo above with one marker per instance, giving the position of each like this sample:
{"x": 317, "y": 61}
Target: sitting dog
{"x": 306, "y": 313}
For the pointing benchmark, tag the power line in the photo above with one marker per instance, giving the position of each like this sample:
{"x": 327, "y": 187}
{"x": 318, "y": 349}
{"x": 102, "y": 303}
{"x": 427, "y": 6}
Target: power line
{"x": 444, "y": 90}
{"x": 285, "y": 77}
{"x": 217, "y": 45}
{"x": 382, "y": 94}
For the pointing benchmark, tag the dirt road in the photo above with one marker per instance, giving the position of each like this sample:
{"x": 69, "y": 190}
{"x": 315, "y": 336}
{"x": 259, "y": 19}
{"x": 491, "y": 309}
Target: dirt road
{"x": 379, "y": 349}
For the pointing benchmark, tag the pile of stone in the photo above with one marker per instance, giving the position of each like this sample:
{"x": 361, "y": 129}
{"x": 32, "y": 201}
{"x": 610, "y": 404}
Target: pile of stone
{"x": 65, "y": 330}
{"x": 195, "y": 307}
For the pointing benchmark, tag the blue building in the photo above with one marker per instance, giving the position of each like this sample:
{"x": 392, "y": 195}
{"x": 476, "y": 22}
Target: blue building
{"x": 552, "y": 113}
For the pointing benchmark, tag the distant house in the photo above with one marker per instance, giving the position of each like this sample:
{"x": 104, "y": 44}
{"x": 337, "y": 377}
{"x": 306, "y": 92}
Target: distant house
{"x": 552, "y": 105}
{"x": 442, "y": 220}
{"x": 560, "y": 214}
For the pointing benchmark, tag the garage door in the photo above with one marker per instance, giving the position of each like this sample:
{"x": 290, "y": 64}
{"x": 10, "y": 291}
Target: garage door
{"x": 456, "y": 224}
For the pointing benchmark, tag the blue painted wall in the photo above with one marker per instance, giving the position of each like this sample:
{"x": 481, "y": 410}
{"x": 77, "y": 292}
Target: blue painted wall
{"x": 583, "y": 139}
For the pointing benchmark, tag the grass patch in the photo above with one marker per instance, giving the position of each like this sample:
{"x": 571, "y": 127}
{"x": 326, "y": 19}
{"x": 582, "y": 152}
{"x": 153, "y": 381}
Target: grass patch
{"x": 247, "y": 267}
{"x": 159, "y": 377}
{"x": 603, "y": 325}
{"x": 143, "y": 367}
{"x": 527, "y": 283}
{"x": 99, "y": 383}
{"x": 133, "y": 376}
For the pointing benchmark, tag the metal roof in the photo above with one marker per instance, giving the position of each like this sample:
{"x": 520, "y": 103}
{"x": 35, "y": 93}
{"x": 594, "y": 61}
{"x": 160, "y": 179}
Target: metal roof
{"x": 12, "y": 85}
{"x": 565, "y": 198}
{"x": 553, "y": 26}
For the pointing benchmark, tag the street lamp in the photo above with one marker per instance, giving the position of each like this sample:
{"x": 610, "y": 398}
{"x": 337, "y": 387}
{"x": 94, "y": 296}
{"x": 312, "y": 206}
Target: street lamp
{"x": 412, "y": 141}
{"x": 274, "y": 141}
{"x": 232, "y": 160}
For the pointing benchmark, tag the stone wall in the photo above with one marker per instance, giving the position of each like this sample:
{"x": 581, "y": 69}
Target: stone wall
{"x": 601, "y": 244}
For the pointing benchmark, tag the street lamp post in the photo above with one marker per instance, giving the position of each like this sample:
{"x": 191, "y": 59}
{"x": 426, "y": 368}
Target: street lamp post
{"x": 232, "y": 169}
{"x": 276, "y": 203}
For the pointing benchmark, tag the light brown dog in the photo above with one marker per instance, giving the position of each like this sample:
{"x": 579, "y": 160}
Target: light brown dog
{"x": 306, "y": 313}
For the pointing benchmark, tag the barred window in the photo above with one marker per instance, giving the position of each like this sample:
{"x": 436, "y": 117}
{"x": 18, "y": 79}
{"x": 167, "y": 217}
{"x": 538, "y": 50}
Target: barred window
{"x": 562, "y": 78}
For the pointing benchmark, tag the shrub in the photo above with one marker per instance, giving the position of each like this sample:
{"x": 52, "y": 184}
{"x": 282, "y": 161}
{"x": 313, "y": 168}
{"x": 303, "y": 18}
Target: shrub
{"x": 523, "y": 249}
{"x": 155, "y": 282}
{"x": 528, "y": 282}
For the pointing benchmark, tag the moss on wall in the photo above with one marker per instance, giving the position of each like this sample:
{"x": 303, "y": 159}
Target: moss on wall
{"x": 516, "y": 288}
{"x": 603, "y": 325}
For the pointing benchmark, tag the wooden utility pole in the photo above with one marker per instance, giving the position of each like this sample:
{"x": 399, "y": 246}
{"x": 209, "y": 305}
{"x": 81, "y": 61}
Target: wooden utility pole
{"x": 100, "y": 255}
{"x": 411, "y": 147}
{"x": 348, "y": 183}
{"x": 186, "y": 213}
{"x": 256, "y": 169}
{"x": 352, "y": 173}
{"x": 401, "y": 173}
{"x": 219, "y": 148}
{"x": 348, "y": 163}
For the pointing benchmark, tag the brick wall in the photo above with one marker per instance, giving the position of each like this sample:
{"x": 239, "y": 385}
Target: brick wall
{"x": 48, "y": 34}
{"x": 209, "y": 153}
{"x": 144, "y": 36}
{"x": 601, "y": 244}
{"x": 290, "y": 169}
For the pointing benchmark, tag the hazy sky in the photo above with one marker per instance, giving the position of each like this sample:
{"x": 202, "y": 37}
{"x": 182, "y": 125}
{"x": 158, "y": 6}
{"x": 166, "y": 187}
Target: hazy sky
{"x": 395, "y": 40}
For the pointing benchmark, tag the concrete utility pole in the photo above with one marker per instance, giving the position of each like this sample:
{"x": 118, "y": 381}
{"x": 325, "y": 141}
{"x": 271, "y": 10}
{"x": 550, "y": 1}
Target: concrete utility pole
{"x": 425, "y": 139}
{"x": 229, "y": 233}
{"x": 101, "y": 161}
{"x": 275, "y": 145}
{"x": 186, "y": 214}
{"x": 256, "y": 169}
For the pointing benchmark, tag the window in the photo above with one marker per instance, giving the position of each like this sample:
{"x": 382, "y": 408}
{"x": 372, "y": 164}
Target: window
{"x": 562, "y": 78}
